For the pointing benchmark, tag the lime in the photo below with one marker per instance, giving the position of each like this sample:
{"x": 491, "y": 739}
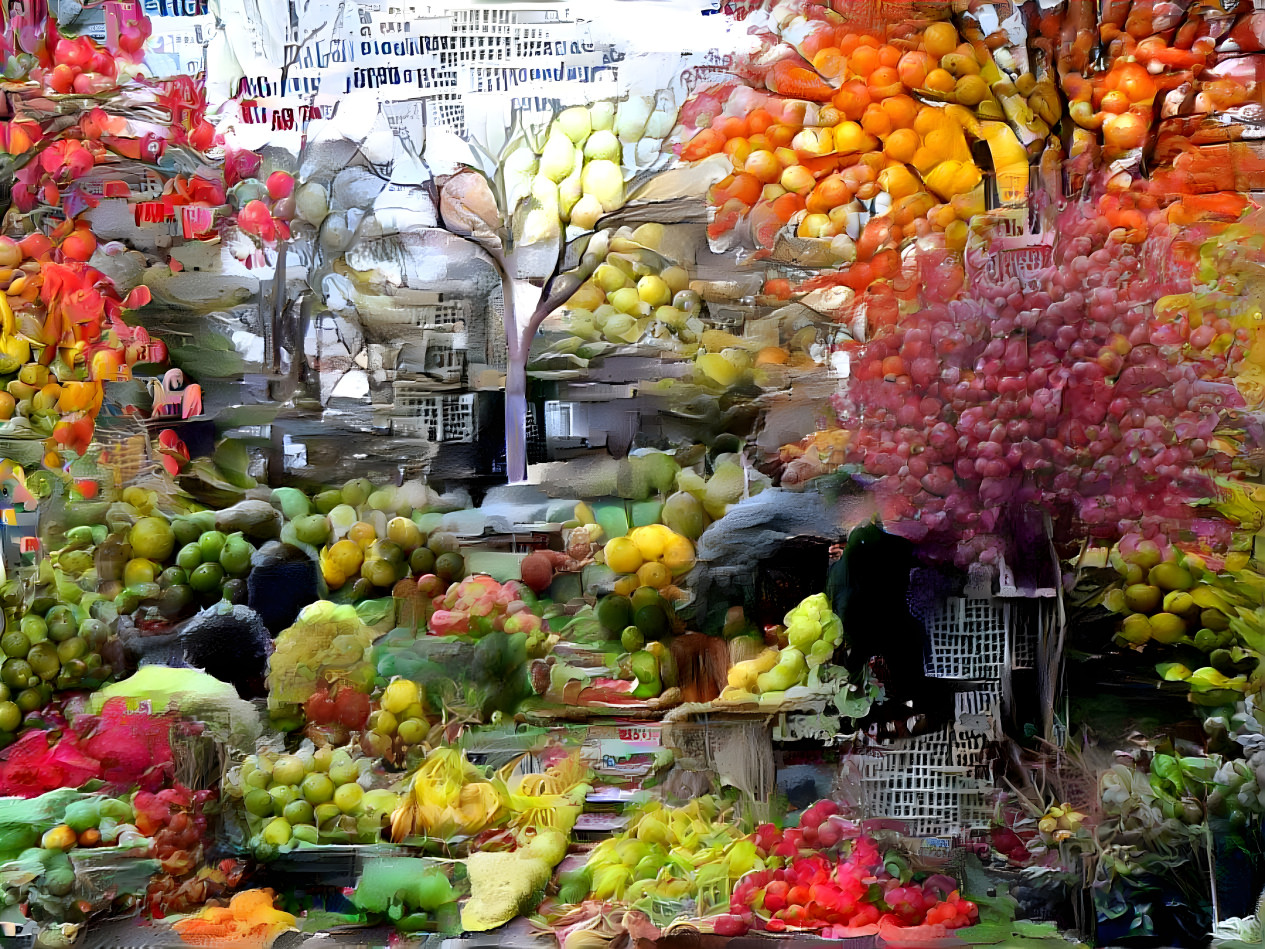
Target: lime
{"x": 312, "y": 529}
{"x": 43, "y": 659}
{"x": 17, "y": 673}
{"x": 653, "y": 621}
{"x": 207, "y": 578}
{"x": 190, "y": 556}
{"x": 186, "y": 530}
{"x": 318, "y": 788}
{"x": 283, "y": 794}
{"x": 29, "y": 700}
{"x": 348, "y": 797}
{"x": 172, "y": 576}
{"x": 614, "y": 612}
{"x": 34, "y": 627}
{"x": 387, "y": 550}
{"x": 450, "y": 566}
{"x": 174, "y": 600}
{"x": 235, "y": 557}
{"x": 298, "y": 811}
{"x": 152, "y": 538}
{"x": 421, "y": 561}
{"x": 326, "y": 501}
{"x": 94, "y": 630}
{"x": 10, "y": 716}
{"x": 73, "y": 648}
{"x": 381, "y": 573}
{"x": 258, "y": 802}
{"x": 15, "y": 644}
{"x": 236, "y": 591}
{"x": 288, "y": 769}
{"x": 5, "y": 693}
{"x": 356, "y": 491}
{"x": 211, "y": 543}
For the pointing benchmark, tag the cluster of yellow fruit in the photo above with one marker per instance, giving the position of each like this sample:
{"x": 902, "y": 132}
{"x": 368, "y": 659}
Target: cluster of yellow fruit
{"x": 448, "y": 797}
{"x": 634, "y": 287}
{"x": 1162, "y": 600}
{"x": 1059, "y": 822}
{"x": 653, "y": 555}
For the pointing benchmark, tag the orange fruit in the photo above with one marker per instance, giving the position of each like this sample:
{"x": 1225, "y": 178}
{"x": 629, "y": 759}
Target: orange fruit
{"x": 939, "y": 39}
{"x": 940, "y": 80}
{"x": 901, "y": 145}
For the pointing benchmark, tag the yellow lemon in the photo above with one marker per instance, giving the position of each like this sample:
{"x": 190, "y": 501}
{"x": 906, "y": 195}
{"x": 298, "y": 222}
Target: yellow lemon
{"x": 347, "y": 556}
{"x": 625, "y": 585}
{"x": 399, "y": 695}
{"x": 138, "y": 570}
{"x": 622, "y": 555}
{"x": 652, "y": 574}
{"x": 651, "y": 539}
{"x": 678, "y": 554}
{"x": 334, "y": 577}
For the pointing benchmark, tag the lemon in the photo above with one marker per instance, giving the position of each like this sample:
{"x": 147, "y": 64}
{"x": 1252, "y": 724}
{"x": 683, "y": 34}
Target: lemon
{"x": 137, "y": 571}
{"x": 348, "y": 797}
{"x": 622, "y": 555}
{"x": 362, "y": 533}
{"x": 651, "y": 540}
{"x": 347, "y": 556}
{"x": 653, "y": 574}
{"x": 625, "y": 585}
{"x": 678, "y": 554}
{"x": 334, "y": 576}
{"x": 399, "y": 695}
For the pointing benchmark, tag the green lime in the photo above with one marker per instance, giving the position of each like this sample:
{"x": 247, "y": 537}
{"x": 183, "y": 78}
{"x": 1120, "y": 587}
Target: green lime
{"x": 15, "y": 644}
{"x": 190, "y": 556}
{"x": 74, "y": 669}
{"x": 450, "y": 566}
{"x": 43, "y": 660}
{"x": 235, "y": 557}
{"x": 61, "y": 623}
{"x": 614, "y": 612}
{"x": 380, "y": 573}
{"x": 173, "y": 576}
{"x": 653, "y": 621}
{"x": 356, "y": 491}
{"x": 186, "y": 530}
{"x": 387, "y": 550}
{"x": 29, "y": 700}
{"x": 73, "y": 648}
{"x": 10, "y": 716}
{"x": 326, "y": 501}
{"x": 34, "y": 627}
{"x": 236, "y": 591}
{"x": 298, "y": 812}
{"x": 17, "y": 673}
{"x": 207, "y": 578}
{"x": 645, "y": 596}
{"x": 258, "y": 802}
{"x": 175, "y": 600}
{"x": 211, "y": 543}
{"x": 421, "y": 561}
{"x": 94, "y": 630}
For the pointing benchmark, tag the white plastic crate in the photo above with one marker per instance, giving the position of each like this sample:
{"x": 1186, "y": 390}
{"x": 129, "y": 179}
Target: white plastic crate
{"x": 967, "y": 638}
{"x": 419, "y": 412}
{"x": 915, "y": 781}
{"x": 1028, "y": 618}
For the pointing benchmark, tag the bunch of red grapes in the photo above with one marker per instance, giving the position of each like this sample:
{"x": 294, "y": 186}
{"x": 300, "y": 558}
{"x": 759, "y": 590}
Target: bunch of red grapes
{"x": 1072, "y": 393}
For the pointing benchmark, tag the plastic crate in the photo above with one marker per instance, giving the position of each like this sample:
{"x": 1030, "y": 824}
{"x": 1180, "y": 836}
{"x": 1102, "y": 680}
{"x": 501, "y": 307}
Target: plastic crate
{"x": 967, "y": 638}
{"x": 420, "y": 412}
{"x": 916, "y": 782}
{"x": 1029, "y": 618}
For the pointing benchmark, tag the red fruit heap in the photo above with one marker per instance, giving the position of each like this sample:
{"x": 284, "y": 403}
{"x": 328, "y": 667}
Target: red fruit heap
{"x": 828, "y": 883}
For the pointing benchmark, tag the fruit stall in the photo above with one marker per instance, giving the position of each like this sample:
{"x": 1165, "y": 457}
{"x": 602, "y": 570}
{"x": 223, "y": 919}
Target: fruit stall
{"x": 484, "y": 474}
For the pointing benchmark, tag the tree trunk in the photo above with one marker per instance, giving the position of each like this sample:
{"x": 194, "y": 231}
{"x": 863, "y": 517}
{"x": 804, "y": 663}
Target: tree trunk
{"x": 521, "y": 299}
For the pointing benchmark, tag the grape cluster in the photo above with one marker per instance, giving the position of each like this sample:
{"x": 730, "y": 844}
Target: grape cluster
{"x": 1078, "y": 394}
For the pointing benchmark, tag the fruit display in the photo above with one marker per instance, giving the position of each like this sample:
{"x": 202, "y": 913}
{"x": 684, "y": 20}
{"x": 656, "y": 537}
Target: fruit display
{"x": 636, "y": 293}
{"x": 813, "y": 634}
{"x": 870, "y": 550}
{"x": 576, "y": 174}
{"x": 448, "y": 797}
{"x": 316, "y": 795}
